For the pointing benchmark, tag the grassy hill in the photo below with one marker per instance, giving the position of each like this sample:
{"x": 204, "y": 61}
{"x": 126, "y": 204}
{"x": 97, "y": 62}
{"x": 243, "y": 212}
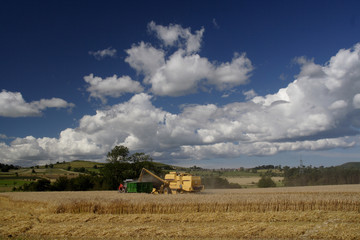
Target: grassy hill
{"x": 16, "y": 178}
{"x": 352, "y": 165}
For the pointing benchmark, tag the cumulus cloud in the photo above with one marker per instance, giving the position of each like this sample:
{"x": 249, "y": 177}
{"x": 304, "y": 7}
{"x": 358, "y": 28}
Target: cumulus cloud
{"x": 228, "y": 75}
{"x": 145, "y": 59}
{"x": 317, "y": 111}
{"x": 356, "y": 101}
{"x": 175, "y": 35}
{"x": 101, "y": 54}
{"x": 183, "y": 70}
{"x": 12, "y": 104}
{"x": 111, "y": 86}
{"x": 199, "y": 131}
{"x": 249, "y": 94}
{"x": 180, "y": 75}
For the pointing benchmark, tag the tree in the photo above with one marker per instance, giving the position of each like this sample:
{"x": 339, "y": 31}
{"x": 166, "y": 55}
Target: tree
{"x": 118, "y": 154}
{"x": 82, "y": 183}
{"x": 120, "y": 166}
{"x": 266, "y": 182}
{"x": 61, "y": 184}
{"x": 113, "y": 173}
{"x": 40, "y": 185}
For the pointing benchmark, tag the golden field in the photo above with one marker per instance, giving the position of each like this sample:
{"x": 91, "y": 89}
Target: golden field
{"x": 322, "y": 212}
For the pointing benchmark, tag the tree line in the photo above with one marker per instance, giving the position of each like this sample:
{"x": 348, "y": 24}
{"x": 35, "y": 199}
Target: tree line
{"x": 7, "y": 167}
{"x": 308, "y": 176}
{"x": 120, "y": 166}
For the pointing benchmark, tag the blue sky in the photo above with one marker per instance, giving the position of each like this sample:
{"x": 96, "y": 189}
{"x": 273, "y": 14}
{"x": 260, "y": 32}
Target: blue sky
{"x": 213, "y": 84}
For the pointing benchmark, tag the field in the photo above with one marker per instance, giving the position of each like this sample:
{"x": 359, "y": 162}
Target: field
{"x": 252, "y": 181}
{"x": 16, "y": 178}
{"x": 323, "y": 212}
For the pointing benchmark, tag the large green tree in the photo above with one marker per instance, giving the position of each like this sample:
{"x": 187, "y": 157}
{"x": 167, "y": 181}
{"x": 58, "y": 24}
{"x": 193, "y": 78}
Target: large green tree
{"x": 118, "y": 154}
{"x": 121, "y": 166}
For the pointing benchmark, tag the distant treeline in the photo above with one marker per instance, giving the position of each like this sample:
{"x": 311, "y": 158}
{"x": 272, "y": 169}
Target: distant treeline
{"x": 109, "y": 178}
{"x": 267, "y": 167}
{"x": 80, "y": 183}
{"x": 218, "y": 182}
{"x": 306, "y": 176}
{"x": 6, "y": 167}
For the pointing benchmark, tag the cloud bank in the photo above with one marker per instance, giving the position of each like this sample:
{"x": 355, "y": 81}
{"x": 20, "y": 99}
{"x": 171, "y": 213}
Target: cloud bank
{"x": 12, "y": 104}
{"x": 318, "y": 110}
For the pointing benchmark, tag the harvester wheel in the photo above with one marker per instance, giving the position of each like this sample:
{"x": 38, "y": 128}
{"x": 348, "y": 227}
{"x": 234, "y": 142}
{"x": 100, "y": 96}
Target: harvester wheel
{"x": 167, "y": 190}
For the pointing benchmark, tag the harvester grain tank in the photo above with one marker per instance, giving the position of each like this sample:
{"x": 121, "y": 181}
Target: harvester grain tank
{"x": 174, "y": 182}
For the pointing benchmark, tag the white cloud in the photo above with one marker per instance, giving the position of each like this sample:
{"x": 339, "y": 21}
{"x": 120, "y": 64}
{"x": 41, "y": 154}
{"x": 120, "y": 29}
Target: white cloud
{"x": 226, "y": 150}
{"x": 229, "y": 75}
{"x": 180, "y": 75}
{"x": 216, "y": 25}
{"x": 145, "y": 59}
{"x": 12, "y": 104}
{"x": 338, "y": 105}
{"x": 111, "y": 86}
{"x": 317, "y": 111}
{"x": 356, "y": 101}
{"x": 175, "y": 35}
{"x": 183, "y": 71}
{"x": 249, "y": 94}
{"x": 101, "y": 54}
{"x": 52, "y": 103}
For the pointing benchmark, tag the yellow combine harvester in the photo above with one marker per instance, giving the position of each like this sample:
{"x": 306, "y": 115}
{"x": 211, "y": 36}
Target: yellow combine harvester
{"x": 173, "y": 183}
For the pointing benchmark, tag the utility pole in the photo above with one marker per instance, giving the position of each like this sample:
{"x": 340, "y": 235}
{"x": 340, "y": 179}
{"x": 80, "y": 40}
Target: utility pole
{"x": 301, "y": 166}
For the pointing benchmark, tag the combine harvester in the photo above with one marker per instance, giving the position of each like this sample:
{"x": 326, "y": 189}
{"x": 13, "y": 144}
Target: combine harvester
{"x": 173, "y": 183}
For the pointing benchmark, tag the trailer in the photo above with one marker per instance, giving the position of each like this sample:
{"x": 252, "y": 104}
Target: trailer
{"x": 139, "y": 187}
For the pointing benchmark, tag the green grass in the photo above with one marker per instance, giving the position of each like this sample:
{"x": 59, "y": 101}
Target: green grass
{"x": 17, "y": 178}
{"x": 78, "y": 164}
{"x": 12, "y": 182}
{"x": 6, "y": 185}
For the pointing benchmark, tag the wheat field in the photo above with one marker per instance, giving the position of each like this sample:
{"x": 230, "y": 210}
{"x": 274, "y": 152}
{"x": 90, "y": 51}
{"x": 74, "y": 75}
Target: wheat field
{"x": 323, "y": 212}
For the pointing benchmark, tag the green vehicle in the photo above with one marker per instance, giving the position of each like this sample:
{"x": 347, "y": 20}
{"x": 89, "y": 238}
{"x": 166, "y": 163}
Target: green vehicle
{"x": 139, "y": 187}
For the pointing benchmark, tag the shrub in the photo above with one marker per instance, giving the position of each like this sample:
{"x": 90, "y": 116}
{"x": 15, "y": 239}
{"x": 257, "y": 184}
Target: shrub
{"x": 266, "y": 182}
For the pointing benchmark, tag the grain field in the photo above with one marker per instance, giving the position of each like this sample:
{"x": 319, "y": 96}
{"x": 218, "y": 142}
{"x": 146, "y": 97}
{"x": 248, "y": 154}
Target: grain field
{"x": 323, "y": 212}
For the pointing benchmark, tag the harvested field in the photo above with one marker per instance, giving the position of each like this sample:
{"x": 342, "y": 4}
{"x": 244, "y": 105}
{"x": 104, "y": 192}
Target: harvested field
{"x": 323, "y": 212}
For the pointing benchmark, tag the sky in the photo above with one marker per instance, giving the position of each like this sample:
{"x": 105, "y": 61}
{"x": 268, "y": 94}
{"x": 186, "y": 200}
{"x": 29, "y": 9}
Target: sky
{"x": 217, "y": 84}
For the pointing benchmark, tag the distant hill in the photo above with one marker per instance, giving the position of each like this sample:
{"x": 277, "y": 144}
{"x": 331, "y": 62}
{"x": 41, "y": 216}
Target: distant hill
{"x": 352, "y": 165}
{"x": 78, "y": 164}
